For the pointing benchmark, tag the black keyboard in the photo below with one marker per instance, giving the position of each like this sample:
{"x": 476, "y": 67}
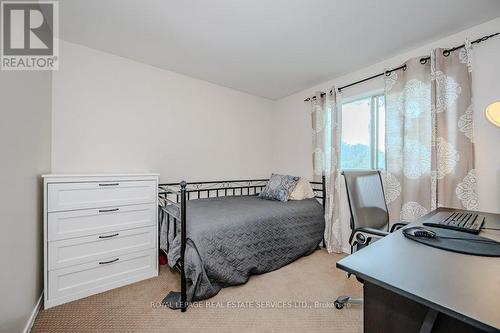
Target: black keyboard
{"x": 461, "y": 221}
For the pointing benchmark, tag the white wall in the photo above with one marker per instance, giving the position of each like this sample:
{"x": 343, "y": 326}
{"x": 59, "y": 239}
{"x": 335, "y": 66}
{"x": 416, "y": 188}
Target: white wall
{"x": 112, "y": 114}
{"x": 292, "y": 134}
{"x": 25, "y": 149}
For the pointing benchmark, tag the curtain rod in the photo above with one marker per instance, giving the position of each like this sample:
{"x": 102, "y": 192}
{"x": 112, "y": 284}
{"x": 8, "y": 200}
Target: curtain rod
{"x": 423, "y": 61}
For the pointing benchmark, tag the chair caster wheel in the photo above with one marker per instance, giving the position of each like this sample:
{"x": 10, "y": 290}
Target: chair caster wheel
{"x": 339, "y": 305}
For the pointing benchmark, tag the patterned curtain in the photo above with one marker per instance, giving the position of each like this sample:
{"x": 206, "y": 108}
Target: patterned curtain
{"x": 325, "y": 115}
{"x": 453, "y": 167}
{"x": 407, "y": 180}
{"x": 429, "y": 136}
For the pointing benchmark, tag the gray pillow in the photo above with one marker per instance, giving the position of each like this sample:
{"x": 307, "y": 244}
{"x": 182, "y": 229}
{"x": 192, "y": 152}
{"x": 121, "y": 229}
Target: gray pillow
{"x": 279, "y": 187}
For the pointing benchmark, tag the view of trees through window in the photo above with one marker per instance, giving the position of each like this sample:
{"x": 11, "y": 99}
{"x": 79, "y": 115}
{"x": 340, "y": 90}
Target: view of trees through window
{"x": 363, "y": 134}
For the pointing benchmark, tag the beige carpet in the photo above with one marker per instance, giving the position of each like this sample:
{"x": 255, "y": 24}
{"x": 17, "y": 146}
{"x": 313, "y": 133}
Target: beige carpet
{"x": 132, "y": 308}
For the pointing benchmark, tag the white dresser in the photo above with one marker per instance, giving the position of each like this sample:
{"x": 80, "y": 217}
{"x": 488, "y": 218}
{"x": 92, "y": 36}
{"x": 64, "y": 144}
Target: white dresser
{"x": 100, "y": 232}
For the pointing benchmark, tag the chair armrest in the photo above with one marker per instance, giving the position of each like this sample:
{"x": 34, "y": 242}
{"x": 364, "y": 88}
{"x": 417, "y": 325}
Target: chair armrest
{"x": 372, "y": 231}
{"x": 365, "y": 231}
{"x": 397, "y": 226}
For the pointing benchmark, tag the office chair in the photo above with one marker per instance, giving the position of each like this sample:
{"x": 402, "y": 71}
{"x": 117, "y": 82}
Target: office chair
{"x": 369, "y": 215}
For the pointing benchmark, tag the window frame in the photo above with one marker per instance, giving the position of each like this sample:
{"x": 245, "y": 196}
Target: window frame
{"x": 374, "y": 129}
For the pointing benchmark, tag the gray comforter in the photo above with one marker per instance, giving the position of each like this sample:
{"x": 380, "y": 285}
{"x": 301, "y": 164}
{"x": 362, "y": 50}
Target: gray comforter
{"x": 231, "y": 238}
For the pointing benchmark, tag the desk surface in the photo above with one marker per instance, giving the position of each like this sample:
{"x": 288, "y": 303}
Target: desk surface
{"x": 463, "y": 286}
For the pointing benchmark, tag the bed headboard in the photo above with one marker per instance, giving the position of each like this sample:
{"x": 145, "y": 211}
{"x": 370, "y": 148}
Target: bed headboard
{"x": 219, "y": 188}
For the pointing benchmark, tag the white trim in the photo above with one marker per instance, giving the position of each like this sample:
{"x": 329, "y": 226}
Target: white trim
{"x": 61, "y": 175}
{"x": 363, "y": 95}
{"x": 34, "y": 313}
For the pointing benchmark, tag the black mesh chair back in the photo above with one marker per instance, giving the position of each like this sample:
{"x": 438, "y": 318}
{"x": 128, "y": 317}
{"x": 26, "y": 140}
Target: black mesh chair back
{"x": 369, "y": 215}
{"x": 366, "y": 199}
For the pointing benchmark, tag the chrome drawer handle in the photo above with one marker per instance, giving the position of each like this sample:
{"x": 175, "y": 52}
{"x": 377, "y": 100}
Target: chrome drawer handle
{"x": 109, "y": 236}
{"x": 108, "y": 262}
{"x": 109, "y": 184}
{"x": 109, "y": 210}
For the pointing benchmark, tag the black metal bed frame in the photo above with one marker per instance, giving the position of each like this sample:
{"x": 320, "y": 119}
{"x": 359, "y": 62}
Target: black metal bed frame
{"x": 178, "y": 193}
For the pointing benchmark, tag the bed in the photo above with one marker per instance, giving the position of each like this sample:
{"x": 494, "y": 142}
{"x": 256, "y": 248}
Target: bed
{"x": 218, "y": 234}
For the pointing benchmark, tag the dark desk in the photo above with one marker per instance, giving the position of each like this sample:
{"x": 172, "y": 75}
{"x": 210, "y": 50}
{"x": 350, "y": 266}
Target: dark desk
{"x": 404, "y": 279}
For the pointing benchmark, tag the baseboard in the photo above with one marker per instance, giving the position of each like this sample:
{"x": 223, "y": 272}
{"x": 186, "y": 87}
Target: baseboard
{"x": 34, "y": 313}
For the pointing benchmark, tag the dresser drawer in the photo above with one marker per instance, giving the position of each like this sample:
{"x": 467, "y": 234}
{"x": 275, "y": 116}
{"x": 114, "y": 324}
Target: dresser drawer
{"x": 77, "y": 223}
{"x": 71, "y": 196}
{"x": 82, "y": 280}
{"x": 79, "y": 250}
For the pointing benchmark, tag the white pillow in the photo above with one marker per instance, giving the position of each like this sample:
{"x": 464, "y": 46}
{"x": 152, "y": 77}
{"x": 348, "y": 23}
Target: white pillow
{"x": 303, "y": 190}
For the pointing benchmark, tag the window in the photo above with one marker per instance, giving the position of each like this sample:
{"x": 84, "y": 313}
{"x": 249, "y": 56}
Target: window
{"x": 363, "y": 134}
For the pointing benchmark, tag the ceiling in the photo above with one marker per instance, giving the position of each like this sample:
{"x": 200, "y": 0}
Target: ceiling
{"x": 266, "y": 48}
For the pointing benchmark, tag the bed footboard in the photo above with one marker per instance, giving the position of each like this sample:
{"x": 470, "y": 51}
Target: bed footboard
{"x": 165, "y": 194}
